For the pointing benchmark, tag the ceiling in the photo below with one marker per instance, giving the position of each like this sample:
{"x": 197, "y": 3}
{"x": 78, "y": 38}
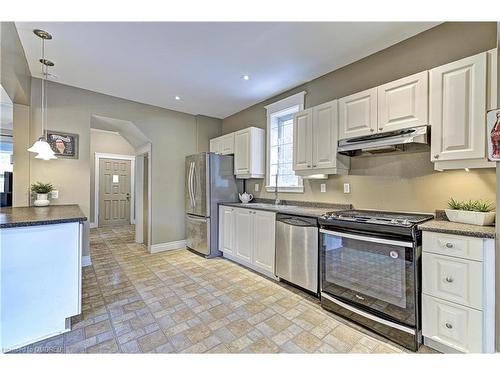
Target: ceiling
{"x": 203, "y": 62}
{"x": 126, "y": 129}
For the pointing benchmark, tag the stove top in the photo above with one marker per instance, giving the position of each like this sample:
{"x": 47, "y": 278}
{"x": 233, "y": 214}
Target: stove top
{"x": 399, "y": 219}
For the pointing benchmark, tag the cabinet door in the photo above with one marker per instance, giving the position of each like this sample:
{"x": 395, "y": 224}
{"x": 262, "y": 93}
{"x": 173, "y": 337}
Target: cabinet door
{"x": 215, "y": 145}
{"x": 242, "y": 152}
{"x": 358, "y": 114}
{"x": 243, "y": 234}
{"x": 324, "y": 135}
{"x": 403, "y": 103}
{"x": 302, "y": 140}
{"x": 458, "y": 105}
{"x": 264, "y": 235}
{"x": 227, "y": 144}
{"x": 226, "y": 229}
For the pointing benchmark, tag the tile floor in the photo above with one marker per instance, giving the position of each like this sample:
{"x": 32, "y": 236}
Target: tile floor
{"x": 176, "y": 301}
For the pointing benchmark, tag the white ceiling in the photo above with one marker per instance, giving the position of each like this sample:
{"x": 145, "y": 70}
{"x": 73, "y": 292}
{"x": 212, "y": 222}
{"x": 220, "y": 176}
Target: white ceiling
{"x": 203, "y": 62}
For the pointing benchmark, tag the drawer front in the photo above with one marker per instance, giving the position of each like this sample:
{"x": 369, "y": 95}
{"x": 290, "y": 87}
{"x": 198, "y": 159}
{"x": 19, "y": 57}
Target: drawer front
{"x": 453, "y": 325}
{"x": 453, "y": 245}
{"x": 453, "y": 279}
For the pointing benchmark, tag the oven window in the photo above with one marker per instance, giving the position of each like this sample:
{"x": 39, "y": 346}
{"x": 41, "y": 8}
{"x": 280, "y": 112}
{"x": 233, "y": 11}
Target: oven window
{"x": 372, "y": 274}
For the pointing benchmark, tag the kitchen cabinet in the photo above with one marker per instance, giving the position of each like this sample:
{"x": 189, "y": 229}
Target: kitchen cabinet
{"x": 403, "y": 103}
{"x": 460, "y": 94}
{"x": 249, "y": 151}
{"x": 223, "y": 145}
{"x": 458, "y": 293}
{"x": 248, "y": 237}
{"x": 358, "y": 114}
{"x": 315, "y": 141}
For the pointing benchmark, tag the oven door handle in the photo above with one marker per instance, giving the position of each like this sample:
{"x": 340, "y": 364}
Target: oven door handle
{"x": 368, "y": 239}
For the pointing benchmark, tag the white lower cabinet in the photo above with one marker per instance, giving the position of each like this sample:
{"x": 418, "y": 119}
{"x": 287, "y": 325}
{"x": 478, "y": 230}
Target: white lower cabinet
{"x": 248, "y": 237}
{"x": 458, "y": 293}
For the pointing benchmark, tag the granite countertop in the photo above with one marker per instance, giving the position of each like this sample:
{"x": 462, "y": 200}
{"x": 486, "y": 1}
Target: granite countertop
{"x": 445, "y": 226}
{"x": 308, "y": 209}
{"x": 26, "y": 216}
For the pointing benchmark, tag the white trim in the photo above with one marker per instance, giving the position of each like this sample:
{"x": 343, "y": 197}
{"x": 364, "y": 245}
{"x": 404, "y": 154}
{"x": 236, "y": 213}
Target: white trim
{"x": 146, "y": 149}
{"x": 274, "y": 110}
{"x": 166, "y": 246}
{"x": 92, "y": 225}
{"x": 86, "y": 260}
{"x": 102, "y": 155}
{"x": 253, "y": 267}
{"x": 105, "y": 131}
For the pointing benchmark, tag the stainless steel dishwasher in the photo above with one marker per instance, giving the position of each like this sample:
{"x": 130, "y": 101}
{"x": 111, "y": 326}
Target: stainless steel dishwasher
{"x": 297, "y": 251}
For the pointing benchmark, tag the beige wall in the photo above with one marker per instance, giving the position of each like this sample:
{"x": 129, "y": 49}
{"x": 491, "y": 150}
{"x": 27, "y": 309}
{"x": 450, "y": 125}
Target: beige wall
{"x": 21, "y": 139}
{"x": 15, "y": 75}
{"x": 206, "y": 129}
{"x": 104, "y": 142}
{"x": 173, "y": 136}
{"x": 404, "y": 182}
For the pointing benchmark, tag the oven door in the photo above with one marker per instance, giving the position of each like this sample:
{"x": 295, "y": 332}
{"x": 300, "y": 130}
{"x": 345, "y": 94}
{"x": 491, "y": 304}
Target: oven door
{"x": 375, "y": 274}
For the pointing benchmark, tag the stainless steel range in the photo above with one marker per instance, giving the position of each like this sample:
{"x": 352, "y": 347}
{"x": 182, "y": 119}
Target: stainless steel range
{"x": 370, "y": 271}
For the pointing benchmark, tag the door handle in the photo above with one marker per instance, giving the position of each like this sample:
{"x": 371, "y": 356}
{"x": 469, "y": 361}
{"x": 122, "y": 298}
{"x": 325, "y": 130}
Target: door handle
{"x": 193, "y": 179}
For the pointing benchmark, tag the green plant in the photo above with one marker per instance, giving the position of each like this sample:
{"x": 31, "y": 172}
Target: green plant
{"x": 470, "y": 205}
{"x": 41, "y": 188}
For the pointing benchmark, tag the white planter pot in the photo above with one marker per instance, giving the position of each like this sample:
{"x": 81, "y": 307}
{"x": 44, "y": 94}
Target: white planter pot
{"x": 470, "y": 217}
{"x": 42, "y": 200}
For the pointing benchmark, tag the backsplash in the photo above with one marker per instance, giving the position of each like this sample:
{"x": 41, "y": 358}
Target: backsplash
{"x": 404, "y": 182}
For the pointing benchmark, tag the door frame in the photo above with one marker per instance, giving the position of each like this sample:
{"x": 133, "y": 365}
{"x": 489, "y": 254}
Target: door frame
{"x": 145, "y": 150}
{"x": 102, "y": 155}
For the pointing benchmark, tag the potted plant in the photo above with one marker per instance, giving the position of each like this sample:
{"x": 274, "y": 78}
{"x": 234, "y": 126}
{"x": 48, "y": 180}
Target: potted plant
{"x": 42, "y": 193}
{"x": 475, "y": 212}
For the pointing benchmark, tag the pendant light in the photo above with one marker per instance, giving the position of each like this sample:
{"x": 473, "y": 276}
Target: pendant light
{"x": 41, "y": 146}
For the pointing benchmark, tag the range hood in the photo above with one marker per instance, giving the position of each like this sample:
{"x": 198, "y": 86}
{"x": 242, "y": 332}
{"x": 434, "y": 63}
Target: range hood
{"x": 405, "y": 140}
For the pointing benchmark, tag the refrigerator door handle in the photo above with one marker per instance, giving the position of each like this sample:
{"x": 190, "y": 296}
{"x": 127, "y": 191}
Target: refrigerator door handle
{"x": 190, "y": 184}
{"x": 193, "y": 182}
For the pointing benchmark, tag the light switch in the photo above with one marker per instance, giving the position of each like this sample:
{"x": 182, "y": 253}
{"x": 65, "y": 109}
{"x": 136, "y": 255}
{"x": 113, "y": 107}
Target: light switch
{"x": 347, "y": 188}
{"x": 322, "y": 188}
{"x": 54, "y": 194}
{"x": 256, "y": 187}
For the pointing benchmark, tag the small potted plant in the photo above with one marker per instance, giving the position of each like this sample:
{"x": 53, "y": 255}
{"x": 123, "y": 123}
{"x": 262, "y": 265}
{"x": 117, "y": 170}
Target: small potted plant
{"x": 475, "y": 212}
{"x": 42, "y": 193}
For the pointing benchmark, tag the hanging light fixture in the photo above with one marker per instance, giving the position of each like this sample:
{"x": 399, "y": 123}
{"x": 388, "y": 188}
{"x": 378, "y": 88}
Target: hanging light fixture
{"x": 41, "y": 146}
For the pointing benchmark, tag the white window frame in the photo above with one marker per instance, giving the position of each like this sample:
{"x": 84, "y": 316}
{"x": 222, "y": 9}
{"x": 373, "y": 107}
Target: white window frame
{"x": 275, "y": 110}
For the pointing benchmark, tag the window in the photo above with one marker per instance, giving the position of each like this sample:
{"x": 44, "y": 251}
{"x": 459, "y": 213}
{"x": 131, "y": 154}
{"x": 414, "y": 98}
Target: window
{"x": 280, "y": 144}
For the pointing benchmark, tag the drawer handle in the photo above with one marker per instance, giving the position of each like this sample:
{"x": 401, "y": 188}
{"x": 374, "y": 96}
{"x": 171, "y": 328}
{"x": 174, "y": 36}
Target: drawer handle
{"x": 449, "y": 279}
{"x": 449, "y": 325}
{"x": 449, "y": 245}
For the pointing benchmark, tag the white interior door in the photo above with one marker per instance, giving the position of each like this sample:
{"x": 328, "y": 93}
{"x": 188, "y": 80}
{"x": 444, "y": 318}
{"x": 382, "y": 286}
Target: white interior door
{"x": 458, "y": 105}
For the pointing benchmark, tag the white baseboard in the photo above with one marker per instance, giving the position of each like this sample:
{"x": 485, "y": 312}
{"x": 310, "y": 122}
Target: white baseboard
{"x": 86, "y": 261}
{"x": 174, "y": 245}
{"x": 92, "y": 225}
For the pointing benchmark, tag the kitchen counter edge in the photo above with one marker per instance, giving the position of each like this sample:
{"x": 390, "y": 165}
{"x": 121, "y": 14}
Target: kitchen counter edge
{"x": 449, "y": 227}
{"x": 12, "y": 217}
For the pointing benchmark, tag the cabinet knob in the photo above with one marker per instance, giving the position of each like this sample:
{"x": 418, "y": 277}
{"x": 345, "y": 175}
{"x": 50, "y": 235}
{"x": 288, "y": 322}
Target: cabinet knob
{"x": 308, "y": 166}
{"x": 449, "y": 325}
{"x": 449, "y": 245}
{"x": 449, "y": 279}
{"x": 436, "y": 156}
{"x": 380, "y": 128}
{"x": 314, "y": 166}
{"x": 372, "y": 130}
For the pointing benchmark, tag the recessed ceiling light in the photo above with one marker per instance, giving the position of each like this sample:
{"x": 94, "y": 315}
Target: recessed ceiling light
{"x": 177, "y": 97}
{"x": 245, "y": 77}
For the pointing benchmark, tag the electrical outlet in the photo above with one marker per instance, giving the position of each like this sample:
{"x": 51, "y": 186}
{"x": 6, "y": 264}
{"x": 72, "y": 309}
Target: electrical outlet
{"x": 256, "y": 187}
{"x": 347, "y": 188}
{"x": 54, "y": 194}
{"x": 322, "y": 188}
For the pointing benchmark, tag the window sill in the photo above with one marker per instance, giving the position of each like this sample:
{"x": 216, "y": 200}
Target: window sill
{"x": 289, "y": 189}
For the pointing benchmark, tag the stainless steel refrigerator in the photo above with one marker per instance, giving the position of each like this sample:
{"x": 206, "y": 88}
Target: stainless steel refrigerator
{"x": 209, "y": 180}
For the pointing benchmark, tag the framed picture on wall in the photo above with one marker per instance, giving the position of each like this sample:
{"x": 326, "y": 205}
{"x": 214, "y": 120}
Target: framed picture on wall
{"x": 493, "y": 134}
{"x": 64, "y": 145}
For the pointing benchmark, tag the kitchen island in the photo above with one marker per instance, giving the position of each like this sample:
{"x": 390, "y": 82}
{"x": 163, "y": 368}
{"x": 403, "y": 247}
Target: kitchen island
{"x": 40, "y": 272}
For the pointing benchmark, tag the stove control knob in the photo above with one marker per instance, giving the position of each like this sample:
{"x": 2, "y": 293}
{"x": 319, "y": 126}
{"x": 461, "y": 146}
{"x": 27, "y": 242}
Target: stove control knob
{"x": 394, "y": 221}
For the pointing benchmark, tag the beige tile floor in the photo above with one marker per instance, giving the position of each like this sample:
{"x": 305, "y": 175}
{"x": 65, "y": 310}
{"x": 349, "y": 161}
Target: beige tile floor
{"x": 176, "y": 301}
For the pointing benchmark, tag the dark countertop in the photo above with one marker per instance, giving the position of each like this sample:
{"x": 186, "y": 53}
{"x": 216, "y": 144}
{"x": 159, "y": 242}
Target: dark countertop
{"x": 308, "y": 209}
{"x": 445, "y": 226}
{"x": 26, "y": 216}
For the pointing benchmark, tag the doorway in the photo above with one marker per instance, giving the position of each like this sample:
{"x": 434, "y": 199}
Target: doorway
{"x": 114, "y": 186}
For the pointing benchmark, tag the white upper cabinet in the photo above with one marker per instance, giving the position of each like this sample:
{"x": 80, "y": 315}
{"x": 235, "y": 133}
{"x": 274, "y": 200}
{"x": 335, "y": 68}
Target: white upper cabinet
{"x": 458, "y": 109}
{"x": 223, "y": 145}
{"x": 403, "y": 103}
{"x": 249, "y": 153}
{"x": 315, "y": 141}
{"x": 302, "y": 140}
{"x": 358, "y": 114}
